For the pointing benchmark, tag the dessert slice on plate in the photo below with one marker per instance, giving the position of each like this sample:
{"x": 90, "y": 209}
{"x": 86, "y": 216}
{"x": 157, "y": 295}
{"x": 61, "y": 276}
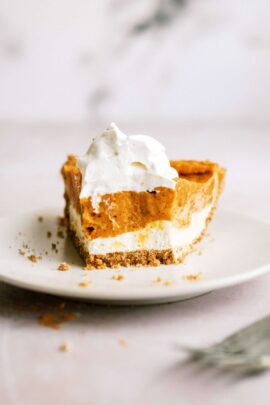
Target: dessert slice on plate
{"x": 127, "y": 204}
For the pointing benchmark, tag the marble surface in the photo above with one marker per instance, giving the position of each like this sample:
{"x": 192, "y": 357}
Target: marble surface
{"x": 157, "y": 60}
{"x": 126, "y": 355}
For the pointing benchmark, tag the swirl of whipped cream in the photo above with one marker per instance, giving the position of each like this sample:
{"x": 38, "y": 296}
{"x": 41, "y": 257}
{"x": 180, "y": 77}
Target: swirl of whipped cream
{"x": 116, "y": 162}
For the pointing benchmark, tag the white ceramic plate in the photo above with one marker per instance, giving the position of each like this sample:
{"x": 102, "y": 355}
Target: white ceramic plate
{"x": 236, "y": 251}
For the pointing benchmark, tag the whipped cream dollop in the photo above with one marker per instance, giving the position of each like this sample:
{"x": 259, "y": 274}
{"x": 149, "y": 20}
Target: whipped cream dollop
{"x": 117, "y": 162}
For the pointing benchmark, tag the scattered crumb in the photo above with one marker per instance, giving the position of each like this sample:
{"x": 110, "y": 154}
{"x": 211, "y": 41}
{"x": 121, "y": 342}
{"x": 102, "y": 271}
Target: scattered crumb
{"x": 54, "y": 320}
{"x": 33, "y": 258}
{"x": 60, "y": 234}
{"x": 65, "y": 347}
{"x": 84, "y": 283}
{"x": 193, "y": 277}
{"x": 158, "y": 280}
{"x": 61, "y": 221}
{"x": 198, "y": 252}
{"x": 68, "y": 316}
{"x": 54, "y": 247}
{"x": 49, "y": 234}
{"x": 40, "y": 219}
{"x": 49, "y": 320}
{"x": 63, "y": 266}
{"x": 84, "y": 275}
{"x": 123, "y": 342}
{"x": 21, "y": 252}
{"x": 168, "y": 283}
{"x": 118, "y": 277}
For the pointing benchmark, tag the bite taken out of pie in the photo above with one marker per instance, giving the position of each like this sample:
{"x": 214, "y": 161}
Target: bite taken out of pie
{"x": 128, "y": 205}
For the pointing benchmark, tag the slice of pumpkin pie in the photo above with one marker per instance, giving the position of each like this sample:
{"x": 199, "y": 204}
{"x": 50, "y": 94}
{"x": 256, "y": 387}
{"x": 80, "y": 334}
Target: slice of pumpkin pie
{"x": 127, "y": 204}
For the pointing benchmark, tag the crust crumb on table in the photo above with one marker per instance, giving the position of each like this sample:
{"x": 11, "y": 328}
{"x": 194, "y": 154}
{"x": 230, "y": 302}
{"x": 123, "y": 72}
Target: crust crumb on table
{"x": 118, "y": 277}
{"x": 84, "y": 283}
{"x": 54, "y": 320}
{"x": 63, "y": 266}
{"x": 49, "y": 234}
{"x": 158, "y": 280}
{"x": 65, "y": 347}
{"x": 193, "y": 277}
{"x": 49, "y": 320}
{"x": 33, "y": 258}
{"x": 123, "y": 342}
{"x": 40, "y": 219}
{"x": 21, "y": 252}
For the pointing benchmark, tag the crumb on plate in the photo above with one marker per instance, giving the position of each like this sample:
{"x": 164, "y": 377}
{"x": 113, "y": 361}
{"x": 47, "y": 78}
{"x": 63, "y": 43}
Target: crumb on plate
{"x": 33, "y": 258}
{"x": 168, "y": 283}
{"x": 60, "y": 234}
{"x": 63, "y": 266}
{"x": 118, "y": 277}
{"x": 193, "y": 277}
{"x": 61, "y": 221}
{"x": 84, "y": 283}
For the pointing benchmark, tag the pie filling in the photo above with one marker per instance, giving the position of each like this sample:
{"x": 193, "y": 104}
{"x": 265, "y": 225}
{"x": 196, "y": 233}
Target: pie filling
{"x": 158, "y": 235}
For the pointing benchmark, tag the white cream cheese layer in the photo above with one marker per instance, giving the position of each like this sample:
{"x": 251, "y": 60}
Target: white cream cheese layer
{"x": 117, "y": 162}
{"x": 159, "y": 235}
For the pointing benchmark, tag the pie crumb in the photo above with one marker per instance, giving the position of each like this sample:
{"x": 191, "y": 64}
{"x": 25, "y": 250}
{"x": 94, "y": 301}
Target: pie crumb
{"x": 168, "y": 283}
{"x": 49, "y": 234}
{"x": 33, "y": 258}
{"x": 65, "y": 347}
{"x": 54, "y": 320}
{"x": 40, "y": 219}
{"x": 84, "y": 283}
{"x": 21, "y": 252}
{"x": 123, "y": 342}
{"x": 193, "y": 277}
{"x": 63, "y": 266}
{"x": 118, "y": 277}
{"x": 61, "y": 221}
{"x": 60, "y": 234}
